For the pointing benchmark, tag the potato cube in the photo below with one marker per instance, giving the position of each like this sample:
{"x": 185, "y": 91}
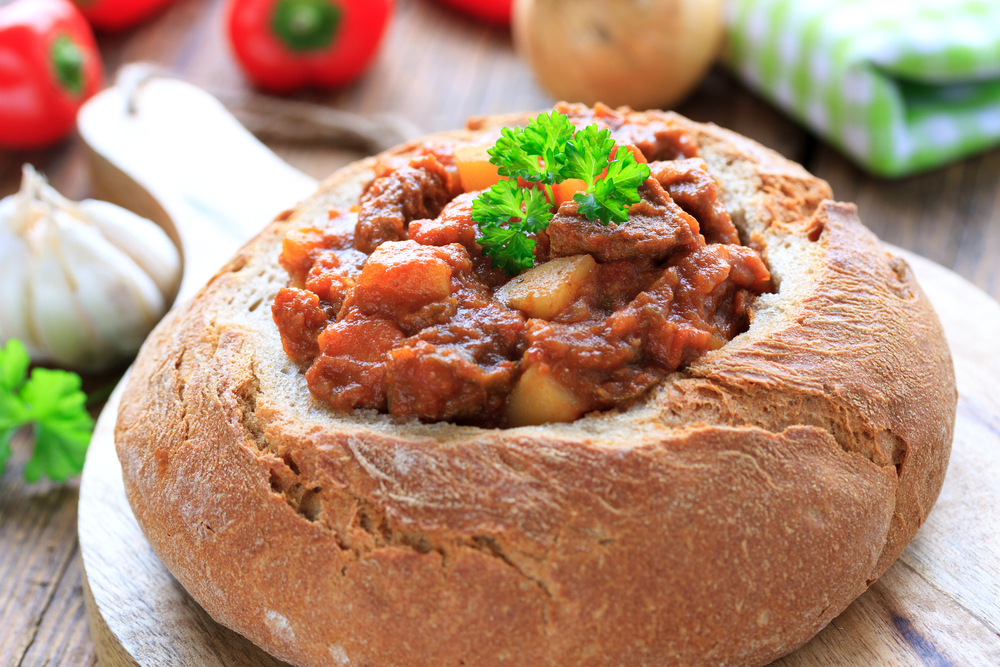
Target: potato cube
{"x": 474, "y": 167}
{"x": 539, "y": 398}
{"x": 549, "y": 288}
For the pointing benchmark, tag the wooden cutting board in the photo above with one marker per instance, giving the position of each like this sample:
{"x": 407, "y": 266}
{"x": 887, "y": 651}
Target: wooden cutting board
{"x": 939, "y": 605}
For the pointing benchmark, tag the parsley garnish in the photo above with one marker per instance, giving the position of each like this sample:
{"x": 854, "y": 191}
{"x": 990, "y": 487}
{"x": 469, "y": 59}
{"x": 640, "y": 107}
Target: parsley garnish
{"x": 609, "y": 198}
{"x": 549, "y": 151}
{"x": 50, "y": 401}
{"x": 524, "y": 210}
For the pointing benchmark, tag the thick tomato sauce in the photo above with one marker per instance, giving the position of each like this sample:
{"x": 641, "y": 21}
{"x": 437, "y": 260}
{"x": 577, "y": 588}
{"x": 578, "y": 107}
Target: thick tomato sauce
{"x": 394, "y": 308}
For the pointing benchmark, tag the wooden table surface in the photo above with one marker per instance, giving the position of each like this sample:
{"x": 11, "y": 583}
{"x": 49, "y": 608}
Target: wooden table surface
{"x": 435, "y": 69}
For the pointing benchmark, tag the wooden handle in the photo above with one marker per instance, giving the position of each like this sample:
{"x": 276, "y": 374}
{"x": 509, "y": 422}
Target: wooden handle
{"x": 171, "y": 152}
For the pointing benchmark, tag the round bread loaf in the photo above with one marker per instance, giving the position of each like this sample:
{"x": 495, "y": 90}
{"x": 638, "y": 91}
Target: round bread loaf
{"x": 722, "y": 520}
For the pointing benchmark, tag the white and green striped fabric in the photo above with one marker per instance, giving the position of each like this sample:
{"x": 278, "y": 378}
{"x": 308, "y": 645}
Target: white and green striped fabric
{"x": 898, "y": 85}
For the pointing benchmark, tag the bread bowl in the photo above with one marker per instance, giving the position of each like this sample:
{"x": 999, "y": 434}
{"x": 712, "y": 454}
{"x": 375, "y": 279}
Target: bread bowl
{"x": 722, "y": 518}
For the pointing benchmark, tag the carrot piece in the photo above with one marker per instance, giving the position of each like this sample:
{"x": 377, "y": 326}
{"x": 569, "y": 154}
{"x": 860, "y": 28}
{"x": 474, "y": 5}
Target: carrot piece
{"x": 565, "y": 190}
{"x": 639, "y": 157}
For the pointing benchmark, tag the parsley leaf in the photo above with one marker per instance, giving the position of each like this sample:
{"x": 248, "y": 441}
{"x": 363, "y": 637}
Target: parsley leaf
{"x": 546, "y": 152}
{"x": 546, "y": 136}
{"x": 608, "y": 200}
{"x": 537, "y": 211}
{"x": 499, "y": 204}
{"x": 508, "y": 249}
{"x": 524, "y": 211}
{"x": 62, "y": 425}
{"x": 14, "y": 362}
{"x": 587, "y": 154}
{"x": 52, "y": 402}
{"x": 537, "y": 153}
{"x": 509, "y": 155}
{"x": 507, "y": 200}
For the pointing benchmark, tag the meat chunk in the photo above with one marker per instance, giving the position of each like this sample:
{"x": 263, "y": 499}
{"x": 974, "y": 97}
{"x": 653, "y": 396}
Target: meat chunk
{"x": 699, "y": 303}
{"x": 409, "y": 283}
{"x": 350, "y": 371}
{"x": 588, "y": 365}
{"x": 655, "y": 228}
{"x": 300, "y": 318}
{"x": 455, "y": 225}
{"x": 656, "y": 136}
{"x": 695, "y": 191}
{"x": 418, "y": 190}
{"x": 333, "y": 276}
{"x": 301, "y": 247}
{"x": 403, "y": 276}
{"x": 460, "y": 369}
{"x": 442, "y": 382}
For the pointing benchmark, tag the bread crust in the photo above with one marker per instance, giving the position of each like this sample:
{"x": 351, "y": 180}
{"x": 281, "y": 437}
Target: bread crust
{"x": 723, "y": 521}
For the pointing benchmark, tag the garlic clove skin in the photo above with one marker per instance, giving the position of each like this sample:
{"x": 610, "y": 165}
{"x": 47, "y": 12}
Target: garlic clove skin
{"x": 52, "y": 309}
{"x": 19, "y": 211}
{"x": 116, "y": 301}
{"x": 8, "y": 213}
{"x": 143, "y": 241}
{"x": 15, "y": 293}
{"x": 81, "y": 285}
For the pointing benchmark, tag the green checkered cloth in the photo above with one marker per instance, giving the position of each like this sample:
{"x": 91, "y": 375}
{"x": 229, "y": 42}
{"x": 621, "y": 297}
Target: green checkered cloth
{"x": 899, "y": 85}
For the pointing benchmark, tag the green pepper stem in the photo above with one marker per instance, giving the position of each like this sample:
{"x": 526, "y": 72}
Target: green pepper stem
{"x": 306, "y": 25}
{"x": 68, "y": 61}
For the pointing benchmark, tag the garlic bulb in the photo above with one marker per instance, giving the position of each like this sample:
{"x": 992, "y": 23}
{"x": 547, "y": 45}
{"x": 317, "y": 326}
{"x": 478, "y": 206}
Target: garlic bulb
{"x": 81, "y": 283}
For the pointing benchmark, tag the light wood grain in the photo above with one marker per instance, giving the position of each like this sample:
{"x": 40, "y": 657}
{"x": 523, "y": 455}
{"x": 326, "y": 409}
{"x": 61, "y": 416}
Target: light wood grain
{"x": 111, "y": 651}
{"x": 62, "y": 633}
{"x": 38, "y": 535}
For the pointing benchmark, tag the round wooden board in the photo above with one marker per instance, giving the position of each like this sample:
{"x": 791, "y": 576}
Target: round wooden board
{"x": 938, "y": 605}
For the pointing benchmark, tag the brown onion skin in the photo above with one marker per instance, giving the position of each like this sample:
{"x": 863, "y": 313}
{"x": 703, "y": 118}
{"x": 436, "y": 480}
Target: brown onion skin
{"x": 641, "y": 53}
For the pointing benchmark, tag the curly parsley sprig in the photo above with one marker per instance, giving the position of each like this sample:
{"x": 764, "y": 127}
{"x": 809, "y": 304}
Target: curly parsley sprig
{"x": 525, "y": 211}
{"x": 51, "y": 402}
{"x": 549, "y": 151}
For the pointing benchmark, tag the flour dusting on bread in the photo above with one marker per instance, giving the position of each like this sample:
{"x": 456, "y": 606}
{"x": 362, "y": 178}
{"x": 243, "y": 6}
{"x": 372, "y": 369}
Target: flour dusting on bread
{"x": 723, "y": 519}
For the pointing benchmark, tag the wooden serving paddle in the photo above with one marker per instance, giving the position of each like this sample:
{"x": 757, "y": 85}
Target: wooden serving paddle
{"x": 183, "y": 161}
{"x": 171, "y": 152}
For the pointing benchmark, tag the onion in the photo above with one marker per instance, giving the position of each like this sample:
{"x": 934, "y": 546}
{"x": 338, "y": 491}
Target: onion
{"x": 641, "y": 53}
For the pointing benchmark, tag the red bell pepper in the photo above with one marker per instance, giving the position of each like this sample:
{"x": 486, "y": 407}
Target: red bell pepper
{"x": 490, "y": 11}
{"x": 284, "y": 45}
{"x": 114, "y": 15}
{"x": 49, "y": 66}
